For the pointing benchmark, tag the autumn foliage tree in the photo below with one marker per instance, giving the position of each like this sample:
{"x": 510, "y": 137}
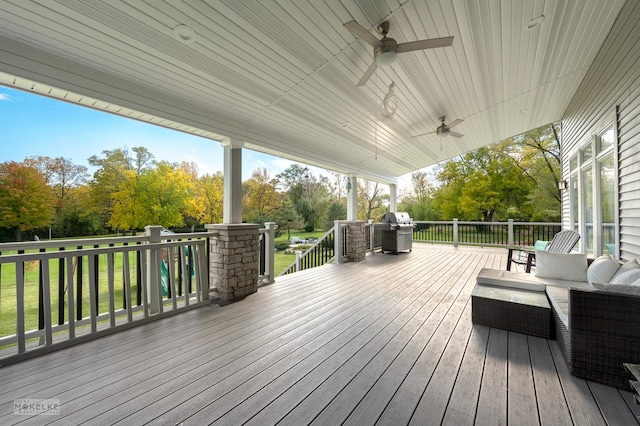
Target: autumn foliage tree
{"x": 209, "y": 193}
{"x": 261, "y": 198}
{"x": 156, "y": 196}
{"x": 25, "y": 199}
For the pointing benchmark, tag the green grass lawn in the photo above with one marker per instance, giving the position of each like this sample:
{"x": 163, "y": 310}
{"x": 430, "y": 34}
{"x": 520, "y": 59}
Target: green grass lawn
{"x": 302, "y": 234}
{"x": 283, "y": 260}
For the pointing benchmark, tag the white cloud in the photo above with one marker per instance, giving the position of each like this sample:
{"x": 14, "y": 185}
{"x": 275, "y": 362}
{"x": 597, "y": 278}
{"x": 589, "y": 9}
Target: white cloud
{"x": 6, "y": 98}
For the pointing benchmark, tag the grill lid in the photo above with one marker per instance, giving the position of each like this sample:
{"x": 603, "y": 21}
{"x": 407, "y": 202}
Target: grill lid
{"x": 399, "y": 218}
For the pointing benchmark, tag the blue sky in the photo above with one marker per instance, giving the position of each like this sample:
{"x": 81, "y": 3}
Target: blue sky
{"x": 33, "y": 125}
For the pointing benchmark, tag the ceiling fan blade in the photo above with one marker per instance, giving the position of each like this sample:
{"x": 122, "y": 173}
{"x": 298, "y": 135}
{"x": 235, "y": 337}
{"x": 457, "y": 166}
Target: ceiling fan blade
{"x": 455, "y": 134}
{"x": 360, "y": 32}
{"x": 367, "y": 74}
{"x": 420, "y": 135}
{"x": 425, "y": 44}
{"x": 455, "y": 123}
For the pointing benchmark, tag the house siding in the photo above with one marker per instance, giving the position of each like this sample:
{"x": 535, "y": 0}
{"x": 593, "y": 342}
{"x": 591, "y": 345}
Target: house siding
{"x": 612, "y": 84}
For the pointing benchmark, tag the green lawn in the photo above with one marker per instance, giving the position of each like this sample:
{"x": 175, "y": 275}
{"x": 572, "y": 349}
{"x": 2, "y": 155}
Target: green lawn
{"x": 302, "y": 234}
{"x": 283, "y": 260}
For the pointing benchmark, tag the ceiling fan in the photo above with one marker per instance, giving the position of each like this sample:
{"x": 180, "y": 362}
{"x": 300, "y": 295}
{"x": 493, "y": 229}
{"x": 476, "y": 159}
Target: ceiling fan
{"x": 386, "y": 49}
{"x": 444, "y": 130}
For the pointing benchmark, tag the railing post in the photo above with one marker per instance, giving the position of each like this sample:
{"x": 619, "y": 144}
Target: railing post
{"x": 298, "y": 258}
{"x": 455, "y": 232}
{"x": 337, "y": 241}
{"x": 372, "y": 244}
{"x": 510, "y": 237}
{"x": 269, "y": 251}
{"x": 153, "y": 270}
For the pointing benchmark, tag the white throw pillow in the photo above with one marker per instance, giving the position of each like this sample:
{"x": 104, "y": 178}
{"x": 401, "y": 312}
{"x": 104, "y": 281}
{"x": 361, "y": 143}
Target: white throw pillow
{"x": 602, "y": 269}
{"x": 628, "y": 273}
{"x": 561, "y": 266}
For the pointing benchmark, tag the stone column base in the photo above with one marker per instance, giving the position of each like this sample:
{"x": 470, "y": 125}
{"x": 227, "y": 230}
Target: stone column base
{"x": 233, "y": 265}
{"x": 356, "y": 241}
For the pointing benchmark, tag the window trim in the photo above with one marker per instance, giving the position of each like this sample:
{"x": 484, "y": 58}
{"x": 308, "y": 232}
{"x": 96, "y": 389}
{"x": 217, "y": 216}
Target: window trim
{"x": 577, "y": 174}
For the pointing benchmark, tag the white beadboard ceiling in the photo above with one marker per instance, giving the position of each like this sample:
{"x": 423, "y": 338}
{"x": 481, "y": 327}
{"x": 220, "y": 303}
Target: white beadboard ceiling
{"x": 280, "y": 75}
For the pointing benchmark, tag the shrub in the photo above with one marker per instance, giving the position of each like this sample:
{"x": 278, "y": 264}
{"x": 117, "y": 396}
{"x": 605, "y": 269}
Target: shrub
{"x": 281, "y": 245}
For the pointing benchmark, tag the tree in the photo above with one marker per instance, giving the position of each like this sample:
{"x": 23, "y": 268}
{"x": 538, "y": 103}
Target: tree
{"x": 25, "y": 198}
{"x": 157, "y": 196}
{"x": 336, "y": 211}
{"x": 309, "y": 195}
{"x": 59, "y": 173}
{"x": 72, "y": 218}
{"x": 480, "y": 184}
{"x": 420, "y": 205}
{"x": 338, "y": 186}
{"x": 64, "y": 178}
{"x": 193, "y": 214}
{"x": 287, "y": 218}
{"x": 537, "y": 154}
{"x": 210, "y": 193}
{"x": 292, "y": 175}
{"x": 116, "y": 168}
{"x": 370, "y": 199}
{"x": 261, "y": 198}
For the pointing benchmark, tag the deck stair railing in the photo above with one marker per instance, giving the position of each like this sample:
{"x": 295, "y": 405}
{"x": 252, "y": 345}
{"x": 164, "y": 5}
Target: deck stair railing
{"x": 90, "y": 287}
{"x": 320, "y": 253}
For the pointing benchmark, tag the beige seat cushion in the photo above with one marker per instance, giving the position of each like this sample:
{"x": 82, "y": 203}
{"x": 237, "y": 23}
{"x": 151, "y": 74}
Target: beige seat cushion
{"x": 523, "y": 281}
{"x": 511, "y": 279}
{"x": 559, "y": 299}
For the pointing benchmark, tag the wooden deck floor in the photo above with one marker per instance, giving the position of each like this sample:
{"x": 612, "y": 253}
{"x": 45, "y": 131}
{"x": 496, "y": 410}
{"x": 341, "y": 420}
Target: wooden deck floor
{"x": 385, "y": 341}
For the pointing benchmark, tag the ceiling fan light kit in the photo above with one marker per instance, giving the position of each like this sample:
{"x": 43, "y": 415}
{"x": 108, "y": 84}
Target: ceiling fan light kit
{"x": 386, "y": 55}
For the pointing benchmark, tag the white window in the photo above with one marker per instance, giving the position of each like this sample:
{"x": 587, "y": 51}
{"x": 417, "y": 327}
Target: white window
{"x": 593, "y": 197}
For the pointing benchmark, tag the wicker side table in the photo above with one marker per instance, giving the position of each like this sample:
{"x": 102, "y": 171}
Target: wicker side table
{"x": 522, "y": 311}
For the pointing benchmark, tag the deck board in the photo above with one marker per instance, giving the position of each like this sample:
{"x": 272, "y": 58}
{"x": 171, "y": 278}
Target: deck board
{"x": 384, "y": 341}
{"x": 552, "y": 406}
{"x": 521, "y": 398}
{"x": 492, "y": 404}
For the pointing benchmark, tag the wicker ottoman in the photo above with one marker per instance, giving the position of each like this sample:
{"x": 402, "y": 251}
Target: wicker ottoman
{"x": 522, "y": 311}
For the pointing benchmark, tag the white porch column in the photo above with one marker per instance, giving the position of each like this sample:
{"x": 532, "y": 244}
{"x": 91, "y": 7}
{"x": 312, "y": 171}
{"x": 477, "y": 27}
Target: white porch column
{"x": 232, "y": 202}
{"x": 352, "y": 198}
{"x": 393, "y": 197}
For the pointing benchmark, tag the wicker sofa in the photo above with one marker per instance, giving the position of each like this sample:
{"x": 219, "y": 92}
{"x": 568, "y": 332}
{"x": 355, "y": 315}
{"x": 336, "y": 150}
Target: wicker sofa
{"x": 597, "y": 328}
{"x": 597, "y": 331}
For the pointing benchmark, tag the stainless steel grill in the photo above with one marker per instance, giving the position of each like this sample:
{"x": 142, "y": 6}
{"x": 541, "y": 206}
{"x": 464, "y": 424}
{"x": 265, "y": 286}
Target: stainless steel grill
{"x": 397, "y": 235}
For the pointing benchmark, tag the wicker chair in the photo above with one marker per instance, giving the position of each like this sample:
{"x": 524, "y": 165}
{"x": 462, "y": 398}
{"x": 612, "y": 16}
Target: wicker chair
{"x": 603, "y": 334}
{"x": 563, "y": 242}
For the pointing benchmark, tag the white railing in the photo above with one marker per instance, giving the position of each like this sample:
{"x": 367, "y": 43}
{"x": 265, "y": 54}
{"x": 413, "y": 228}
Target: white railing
{"x": 81, "y": 289}
{"x": 267, "y": 253}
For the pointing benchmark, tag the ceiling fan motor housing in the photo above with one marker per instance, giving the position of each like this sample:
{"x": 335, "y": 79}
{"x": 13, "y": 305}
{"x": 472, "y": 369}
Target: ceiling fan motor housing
{"x": 442, "y": 130}
{"x": 386, "y": 54}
